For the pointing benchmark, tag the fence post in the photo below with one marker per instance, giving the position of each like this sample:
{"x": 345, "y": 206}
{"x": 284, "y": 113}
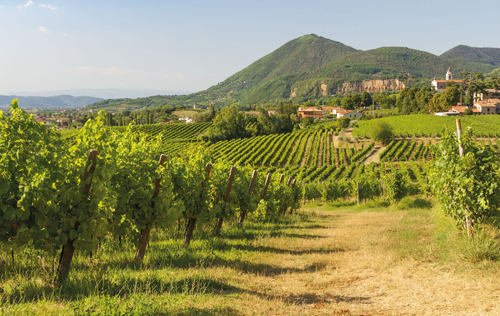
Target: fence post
{"x": 289, "y": 182}
{"x": 139, "y": 254}
{"x": 69, "y": 249}
{"x": 468, "y": 221}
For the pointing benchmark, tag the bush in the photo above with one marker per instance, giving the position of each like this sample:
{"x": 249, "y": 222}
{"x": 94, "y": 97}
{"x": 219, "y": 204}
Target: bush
{"x": 381, "y": 132}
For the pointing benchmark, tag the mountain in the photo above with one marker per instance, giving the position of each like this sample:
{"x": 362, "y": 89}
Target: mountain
{"x": 101, "y": 93}
{"x": 308, "y": 67}
{"x": 482, "y": 59}
{"x": 61, "y": 101}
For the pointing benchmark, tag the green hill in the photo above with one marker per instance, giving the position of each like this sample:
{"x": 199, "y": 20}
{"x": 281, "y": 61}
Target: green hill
{"x": 307, "y": 67}
{"x": 483, "y": 59}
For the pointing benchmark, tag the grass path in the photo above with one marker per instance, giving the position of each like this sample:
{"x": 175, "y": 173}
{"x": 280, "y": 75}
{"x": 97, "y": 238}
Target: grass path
{"x": 337, "y": 262}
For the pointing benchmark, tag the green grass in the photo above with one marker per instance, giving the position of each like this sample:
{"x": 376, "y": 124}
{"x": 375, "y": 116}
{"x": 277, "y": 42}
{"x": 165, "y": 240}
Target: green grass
{"x": 172, "y": 279}
{"x": 432, "y": 124}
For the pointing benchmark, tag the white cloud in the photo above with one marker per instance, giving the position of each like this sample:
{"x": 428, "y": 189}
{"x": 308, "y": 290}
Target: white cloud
{"x": 48, "y": 6}
{"x": 42, "y": 29}
{"x": 27, "y": 4}
{"x": 2, "y": 6}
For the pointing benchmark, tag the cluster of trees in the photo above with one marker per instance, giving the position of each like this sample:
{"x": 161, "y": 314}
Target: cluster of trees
{"x": 426, "y": 100}
{"x": 352, "y": 101}
{"x": 230, "y": 122}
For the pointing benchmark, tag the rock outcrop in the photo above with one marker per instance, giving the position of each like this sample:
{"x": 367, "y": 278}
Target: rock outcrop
{"x": 372, "y": 86}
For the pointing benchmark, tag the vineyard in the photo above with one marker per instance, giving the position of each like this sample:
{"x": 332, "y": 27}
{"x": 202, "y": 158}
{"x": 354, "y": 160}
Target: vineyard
{"x": 174, "y": 138}
{"x": 422, "y": 125}
{"x": 102, "y": 222}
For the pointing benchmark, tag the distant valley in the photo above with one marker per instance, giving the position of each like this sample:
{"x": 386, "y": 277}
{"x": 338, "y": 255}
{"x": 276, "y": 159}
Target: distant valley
{"x": 60, "y": 101}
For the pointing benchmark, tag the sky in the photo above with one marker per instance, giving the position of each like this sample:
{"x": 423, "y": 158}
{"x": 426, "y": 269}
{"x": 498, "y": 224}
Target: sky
{"x": 186, "y": 45}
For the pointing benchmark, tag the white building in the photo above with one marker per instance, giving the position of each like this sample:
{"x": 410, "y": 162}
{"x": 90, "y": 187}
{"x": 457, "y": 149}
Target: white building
{"x": 349, "y": 113}
{"x": 440, "y": 85}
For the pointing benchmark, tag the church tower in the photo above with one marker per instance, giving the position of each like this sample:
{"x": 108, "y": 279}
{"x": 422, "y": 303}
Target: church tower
{"x": 449, "y": 75}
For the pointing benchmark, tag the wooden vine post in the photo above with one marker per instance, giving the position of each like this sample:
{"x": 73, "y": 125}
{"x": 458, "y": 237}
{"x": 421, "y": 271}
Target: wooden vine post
{"x": 357, "y": 191}
{"x": 282, "y": 177}
{"x": 69, "y": 249}
{"x": 139, "y": 254}
{"x": 250, "y": 189}
{"x": 264, "y": 192}
{"x": 232, "y": 172}
{"x": 192, "y": 220}
{"x": 289, "y": 182}
{"x": 468, "y": 221}
{"x": 293, "y": 186}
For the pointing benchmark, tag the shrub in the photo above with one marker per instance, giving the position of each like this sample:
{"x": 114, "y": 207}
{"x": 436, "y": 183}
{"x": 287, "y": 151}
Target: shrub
{"x": 381, "y": 132}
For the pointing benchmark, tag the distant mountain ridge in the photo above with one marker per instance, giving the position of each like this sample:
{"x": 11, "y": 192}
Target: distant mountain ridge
{"x": 60, "y": 101}
{"x": 483, "y": 59}
{"x": 312, "y": 67}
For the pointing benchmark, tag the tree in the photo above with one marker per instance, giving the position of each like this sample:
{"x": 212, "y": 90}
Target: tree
{"x": 342, "y": 123}
{"x": 348, "y": 103}
{"x": 334, "y": 102}
{"x": 366, "y": 98}
{"x": 230, "y": 123}
{"x": 442, "y": 101}
{"x": 468, "y": 111}
{"x": 381, "y": 131}
{"x": 356, "y": 99}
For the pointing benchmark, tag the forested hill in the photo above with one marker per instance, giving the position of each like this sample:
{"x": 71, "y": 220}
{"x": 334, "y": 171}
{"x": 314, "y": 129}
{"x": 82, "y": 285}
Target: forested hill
{"x": 309, "y": 67}
{"x": 60, "y": 101}
{"x": 483, "y": 59}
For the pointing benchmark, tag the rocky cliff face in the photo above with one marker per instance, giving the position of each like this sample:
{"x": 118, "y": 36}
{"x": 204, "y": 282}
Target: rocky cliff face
{"x": 372, "y": 86}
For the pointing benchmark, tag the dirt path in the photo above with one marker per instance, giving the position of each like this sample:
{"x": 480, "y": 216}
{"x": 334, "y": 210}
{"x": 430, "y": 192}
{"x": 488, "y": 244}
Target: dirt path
{"x": 344, "y": 263}
{"x": 320, "y": 154}
{"x": 306, "y": 151}
{"x": 374, "y": 155}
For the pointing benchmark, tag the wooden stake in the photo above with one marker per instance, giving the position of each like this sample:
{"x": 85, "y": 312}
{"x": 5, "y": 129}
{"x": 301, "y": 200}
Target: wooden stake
{"x": 357, "y": 191}
{"x": 293, "y": 183}
{"x": 243, "y": 214}
{"x": 252, "y": 182}
{"x": 264, "y": 192}
{"x": 282, "y": 177}
{"x": 289, "y": 181}
{"x": 468, "y": 221}
{"x": 230, "y": 183}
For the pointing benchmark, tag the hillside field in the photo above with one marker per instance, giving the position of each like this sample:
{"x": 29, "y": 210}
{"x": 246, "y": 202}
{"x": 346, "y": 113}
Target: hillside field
{"x": 424, "y": 124}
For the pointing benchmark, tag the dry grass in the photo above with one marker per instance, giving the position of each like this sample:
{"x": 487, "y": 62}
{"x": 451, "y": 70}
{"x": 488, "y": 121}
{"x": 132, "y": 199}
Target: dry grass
{"x": 354, "y": 263}
{"x": 339, "y": 262}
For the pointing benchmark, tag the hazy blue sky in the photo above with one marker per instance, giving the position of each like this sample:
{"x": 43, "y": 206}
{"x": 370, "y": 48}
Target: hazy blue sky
{"x": 189, "y": 45}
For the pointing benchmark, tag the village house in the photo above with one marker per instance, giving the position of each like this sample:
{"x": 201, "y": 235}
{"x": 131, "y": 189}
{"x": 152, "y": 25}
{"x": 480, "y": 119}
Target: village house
{"x": 331, "y": 110}
{"x": 481, "y": 107}
{"x": 487, "y": 94}
{"x": 349, "y": 113}
{"x": 488, "y": 106}
{"x": 460, "y": 109}
{"x": 310, "y": 112}
{"x": 271, "y": 112}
